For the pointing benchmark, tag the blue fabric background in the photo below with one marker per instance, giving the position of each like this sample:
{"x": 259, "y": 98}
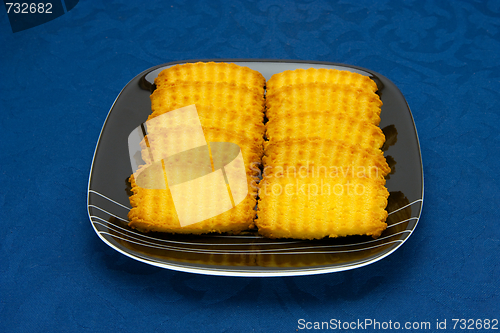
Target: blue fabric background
{"x": 59, "y": 80}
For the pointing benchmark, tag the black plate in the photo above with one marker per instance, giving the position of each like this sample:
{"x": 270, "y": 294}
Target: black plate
{"x": 249, "y": 254}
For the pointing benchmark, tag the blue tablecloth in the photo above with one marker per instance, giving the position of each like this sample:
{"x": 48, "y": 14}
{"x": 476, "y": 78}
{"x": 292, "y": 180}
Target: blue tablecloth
{"x": 60, "y": 78}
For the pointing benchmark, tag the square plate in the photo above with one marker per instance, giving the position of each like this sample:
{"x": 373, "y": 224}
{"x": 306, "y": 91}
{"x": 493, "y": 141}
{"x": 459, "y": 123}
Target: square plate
{"x": 249, "y": 254}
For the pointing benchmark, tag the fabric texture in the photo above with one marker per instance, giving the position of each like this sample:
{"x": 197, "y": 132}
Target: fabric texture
{"x": 59, "y": 80}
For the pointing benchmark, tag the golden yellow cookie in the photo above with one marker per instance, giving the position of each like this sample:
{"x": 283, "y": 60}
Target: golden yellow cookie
{"x": 323, "y": 157}
{"x": 239, "y": 121}
{"x": 306, "y": 97}
{"x": 211, "y": 72}
{"x": 325, "y": 125}
{"x": 154, "y": 210}
{"x": 310, "y": 207}
{"x": 312, "y": 75}
{"x": 219, "y": 95}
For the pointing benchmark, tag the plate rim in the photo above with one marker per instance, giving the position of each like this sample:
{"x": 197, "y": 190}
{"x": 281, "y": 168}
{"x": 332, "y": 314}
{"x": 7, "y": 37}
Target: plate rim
{"x": 276, "y": 272}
